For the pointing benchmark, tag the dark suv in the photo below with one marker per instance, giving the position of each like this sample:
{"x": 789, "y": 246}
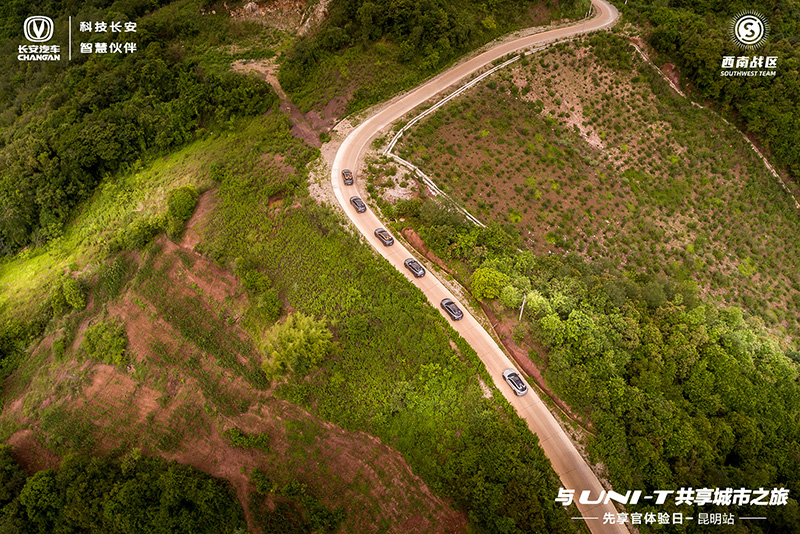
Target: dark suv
{"x": 347, "y": 176}
{"x": 359, "y": 204}
{"x": 452, "y": 310}
{"x": 384, "y": 236}
{"x": 415, "y": 268}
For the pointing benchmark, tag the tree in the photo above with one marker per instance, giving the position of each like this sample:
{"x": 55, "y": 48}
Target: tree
{"x": 42, "y": 500}
{"x": 297, "y": 345}
{"x": 511, "y": 297}
{"x": 181, "y": 202}
{"x": 488, "y": 283}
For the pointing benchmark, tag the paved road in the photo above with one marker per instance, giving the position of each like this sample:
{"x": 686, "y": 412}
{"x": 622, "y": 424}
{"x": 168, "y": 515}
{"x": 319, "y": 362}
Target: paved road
{"x": 567, "y": 462}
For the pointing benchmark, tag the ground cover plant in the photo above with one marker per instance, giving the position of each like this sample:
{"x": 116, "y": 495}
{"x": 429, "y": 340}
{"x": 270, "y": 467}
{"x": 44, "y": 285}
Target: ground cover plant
{"x": 368, "y": 50}
{"x": 598, "y": 157}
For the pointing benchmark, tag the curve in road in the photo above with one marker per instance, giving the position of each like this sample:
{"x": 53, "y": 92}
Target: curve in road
{"x": 571, "y": 468}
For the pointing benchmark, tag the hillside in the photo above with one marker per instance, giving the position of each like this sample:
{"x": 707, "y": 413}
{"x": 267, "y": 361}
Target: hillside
{"x": 599, "y": 158}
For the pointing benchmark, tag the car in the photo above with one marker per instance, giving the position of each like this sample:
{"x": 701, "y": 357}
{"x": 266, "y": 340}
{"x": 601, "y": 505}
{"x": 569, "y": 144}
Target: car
{"x": 516, "y": 382}
{"x": 359, "y": 204}
{"x": 452, "y": 310}
{"x": 384, "y": 236}
{"x": 415, "y": 268}
{"x": 347, "y": 176}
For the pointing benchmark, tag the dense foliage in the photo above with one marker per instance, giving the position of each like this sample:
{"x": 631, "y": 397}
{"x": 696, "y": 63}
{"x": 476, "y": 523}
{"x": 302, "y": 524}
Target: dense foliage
{"x": 393, "y": 370}
{"x": 694, "y": 34}
{"x": 414, "y": 37}
{"x": 106, "y": 341}
{"x": 64, "y": 126}
{"x": 97, "y": 495}
{"x": 681, "y": 394}
{"x": 296, "y": 345}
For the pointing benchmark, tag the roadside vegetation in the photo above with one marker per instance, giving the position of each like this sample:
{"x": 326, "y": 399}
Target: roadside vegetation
{"x": 599, "y": 158}
{"x": 368, "y": 50}
{"x": 169, "y": 339}
{"x": 633, "y": 207}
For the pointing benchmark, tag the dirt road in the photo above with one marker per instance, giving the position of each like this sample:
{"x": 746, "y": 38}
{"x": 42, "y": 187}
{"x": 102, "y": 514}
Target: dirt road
{"x": 567, "y": 462}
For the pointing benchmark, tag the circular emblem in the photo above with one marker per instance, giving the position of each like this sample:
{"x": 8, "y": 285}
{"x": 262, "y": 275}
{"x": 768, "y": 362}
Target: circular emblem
{"x": 749, "y": 30}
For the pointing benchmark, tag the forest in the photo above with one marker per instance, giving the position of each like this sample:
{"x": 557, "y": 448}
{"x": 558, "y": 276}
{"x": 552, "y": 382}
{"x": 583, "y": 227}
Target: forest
{"x": 680, "y": 393}
{"x": 105, "y": 496}
{"x": 693, "y": 34}
{"x": 66, "y": 126}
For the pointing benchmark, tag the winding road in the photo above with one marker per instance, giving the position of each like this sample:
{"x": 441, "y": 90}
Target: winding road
{"x": 573, "y": 471}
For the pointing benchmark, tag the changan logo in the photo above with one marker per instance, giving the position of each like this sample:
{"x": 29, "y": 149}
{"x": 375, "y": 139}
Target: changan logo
{"x": 749, "y": 30}
{"x": 38, "y": 29}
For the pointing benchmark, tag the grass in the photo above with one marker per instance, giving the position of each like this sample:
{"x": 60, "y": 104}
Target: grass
{"x": 392, "y": 371}
{"x": 614, "y": 167}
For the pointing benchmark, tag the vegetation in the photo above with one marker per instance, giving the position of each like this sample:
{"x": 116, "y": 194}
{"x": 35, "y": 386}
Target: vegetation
{"x": 613, "y": 166}
{"x": 297, "y": 345}
{"x": 368, "y": 50}
{"x": 296, "y": 509}
{"x": 180, "y": 205}
{"x": 694, "y": 35}
{"x": 98, "y": 495}
{"x": 106, "y": 341}
{"x": 238, "y": 438}
{"x": 682, "y": 392}
{"x": 392, "y": 371}
{"x": 69, "y": 124}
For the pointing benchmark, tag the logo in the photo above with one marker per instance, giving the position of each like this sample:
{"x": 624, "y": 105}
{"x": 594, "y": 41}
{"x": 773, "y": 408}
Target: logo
{"x": 749, "y": 30}
{"x": 38, "y": 29}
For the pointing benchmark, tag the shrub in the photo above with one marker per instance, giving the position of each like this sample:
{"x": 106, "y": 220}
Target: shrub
{"x": 511, "y": 297}
{"x": 106, "y": 341}
{"x": 488, "y": 283}
{"x": 67, "y": 293}
{"x": 297, "y": 345}
{"x": 182, "y": 202}
{"x": 112, "y": 276}
{"x": 140, "y": 232}
{"x": 237, "y": 438}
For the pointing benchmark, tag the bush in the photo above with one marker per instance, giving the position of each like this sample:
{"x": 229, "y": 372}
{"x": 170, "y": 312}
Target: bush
{"x": 511, "y": 297}
{"x": 140, "y": 232}
{"x": 74, "y": 294}
{"x": 237, "y": 438}
{"x": 297, "y": 345}
{"x": 182, "y": 202}
{"x": 488, "y": 283}
{"x": 67, "y": 293}
{"x": 113, "y": 275}
{"x": 106, "y": 341}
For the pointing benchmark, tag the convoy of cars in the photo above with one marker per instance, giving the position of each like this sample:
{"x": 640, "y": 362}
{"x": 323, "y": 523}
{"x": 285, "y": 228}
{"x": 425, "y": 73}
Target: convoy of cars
{"x": 510, "y": 375}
